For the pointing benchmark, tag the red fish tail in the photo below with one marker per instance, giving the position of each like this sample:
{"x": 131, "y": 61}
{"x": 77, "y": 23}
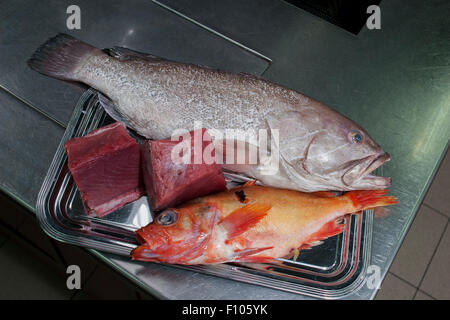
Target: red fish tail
{"x": 367, "y": 199}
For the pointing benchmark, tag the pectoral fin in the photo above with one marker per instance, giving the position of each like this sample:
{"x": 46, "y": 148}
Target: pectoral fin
{"x": 244, "y": 218}
{"x": 112, "y": 111}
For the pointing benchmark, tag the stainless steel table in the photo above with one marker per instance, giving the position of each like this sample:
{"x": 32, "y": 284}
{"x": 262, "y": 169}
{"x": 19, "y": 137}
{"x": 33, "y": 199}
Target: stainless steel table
{"x": 394, "y": 82}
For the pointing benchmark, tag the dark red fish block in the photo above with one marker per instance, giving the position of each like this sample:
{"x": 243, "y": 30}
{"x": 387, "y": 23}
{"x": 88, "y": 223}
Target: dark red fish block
{"x": 105, "y": 165}
{"x": 170, "y": 183}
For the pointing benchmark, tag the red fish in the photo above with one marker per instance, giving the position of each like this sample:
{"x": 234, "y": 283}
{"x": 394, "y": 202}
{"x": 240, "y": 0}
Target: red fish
{"x": 249, "y": 224}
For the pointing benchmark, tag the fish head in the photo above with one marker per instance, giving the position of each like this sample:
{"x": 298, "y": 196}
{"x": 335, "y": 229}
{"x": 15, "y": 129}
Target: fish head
{"x": 325, "y": 150}
{"x": 177, "y": 235}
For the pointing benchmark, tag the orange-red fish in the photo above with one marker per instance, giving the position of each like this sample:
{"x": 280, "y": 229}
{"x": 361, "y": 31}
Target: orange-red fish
{"x": 248, "y": 224}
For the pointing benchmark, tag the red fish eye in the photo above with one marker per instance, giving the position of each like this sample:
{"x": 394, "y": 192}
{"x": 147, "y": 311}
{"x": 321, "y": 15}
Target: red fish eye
{"x": 167, "y": 217}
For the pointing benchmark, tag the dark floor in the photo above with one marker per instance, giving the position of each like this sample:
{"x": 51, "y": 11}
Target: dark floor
{"x": 32, "y": 266}
{"x": 420, "y": 269}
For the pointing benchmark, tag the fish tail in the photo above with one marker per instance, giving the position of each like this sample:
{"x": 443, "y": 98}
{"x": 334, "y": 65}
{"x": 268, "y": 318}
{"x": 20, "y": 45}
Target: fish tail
{"x": 61, "y": 56}
{"x": 367, "y": 199}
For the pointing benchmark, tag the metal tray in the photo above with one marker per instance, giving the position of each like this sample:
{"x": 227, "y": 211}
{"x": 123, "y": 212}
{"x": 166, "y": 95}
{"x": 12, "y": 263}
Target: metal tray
{"x": 332, "y": 270}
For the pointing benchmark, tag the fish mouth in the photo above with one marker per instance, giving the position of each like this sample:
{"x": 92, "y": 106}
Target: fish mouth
{"x": 376, "y": 163}
{"x": 365, "y": 179}
{"x": 156, "y": 243}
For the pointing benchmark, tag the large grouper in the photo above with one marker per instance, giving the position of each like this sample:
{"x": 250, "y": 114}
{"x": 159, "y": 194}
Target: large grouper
{"x": 316, "y": 148}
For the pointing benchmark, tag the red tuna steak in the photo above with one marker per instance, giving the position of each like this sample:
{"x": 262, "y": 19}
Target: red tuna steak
{"x": 105, "y": 165}
{"x": 170, "y": 183}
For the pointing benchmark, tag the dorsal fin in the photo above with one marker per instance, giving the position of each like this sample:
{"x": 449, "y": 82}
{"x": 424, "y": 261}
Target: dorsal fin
{"x": 241, "y": 219}
{"x": 124, "y": 54}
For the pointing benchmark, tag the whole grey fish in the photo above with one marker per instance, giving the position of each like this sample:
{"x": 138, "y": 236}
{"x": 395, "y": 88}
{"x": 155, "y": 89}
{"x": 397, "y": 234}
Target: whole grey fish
{"x": 318, "y": 148}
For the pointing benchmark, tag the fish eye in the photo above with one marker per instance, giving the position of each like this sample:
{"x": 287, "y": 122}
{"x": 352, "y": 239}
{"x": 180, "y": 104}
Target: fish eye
{"x": 356, "y": 137}
{"x": 167, "y": 217}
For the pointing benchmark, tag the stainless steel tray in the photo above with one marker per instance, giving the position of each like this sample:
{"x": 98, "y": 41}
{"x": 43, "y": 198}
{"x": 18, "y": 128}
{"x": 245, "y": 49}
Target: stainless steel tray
{"x": 332, "y": 270}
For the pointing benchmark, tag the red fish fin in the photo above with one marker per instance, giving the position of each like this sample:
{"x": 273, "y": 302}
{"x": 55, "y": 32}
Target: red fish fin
{"x": 328, "y": 230}
{"x": 250, "y": 183}
{"x": 310, "y": 245}
{"x": 367, "y": 199}
{"x": 240, "y": 220}
{"x": 248, "y": 255}
{"x": 257, "y": 259}
{"x": 326, "y": 194}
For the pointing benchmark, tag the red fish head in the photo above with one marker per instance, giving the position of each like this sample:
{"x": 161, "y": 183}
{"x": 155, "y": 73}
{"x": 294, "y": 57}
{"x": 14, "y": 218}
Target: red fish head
{"x": 177, "y": 235}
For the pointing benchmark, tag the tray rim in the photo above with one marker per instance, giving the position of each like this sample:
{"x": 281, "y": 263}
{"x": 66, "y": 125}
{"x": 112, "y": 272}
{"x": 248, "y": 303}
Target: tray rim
{"x": 237, "y": 273}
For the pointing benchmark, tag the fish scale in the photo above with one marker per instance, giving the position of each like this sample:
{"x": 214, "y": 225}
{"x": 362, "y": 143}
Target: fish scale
{"x": 182, "y": 93}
